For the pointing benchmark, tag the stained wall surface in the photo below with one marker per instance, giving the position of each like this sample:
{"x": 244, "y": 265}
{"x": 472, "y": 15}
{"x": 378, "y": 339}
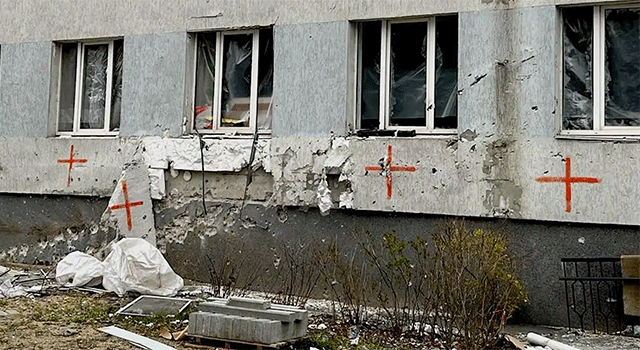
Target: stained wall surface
{"x": 507, "y": 135}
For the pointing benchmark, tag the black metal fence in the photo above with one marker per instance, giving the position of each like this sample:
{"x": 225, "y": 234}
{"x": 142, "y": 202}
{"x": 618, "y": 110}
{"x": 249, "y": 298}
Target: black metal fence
{"x": 593, "y": 289}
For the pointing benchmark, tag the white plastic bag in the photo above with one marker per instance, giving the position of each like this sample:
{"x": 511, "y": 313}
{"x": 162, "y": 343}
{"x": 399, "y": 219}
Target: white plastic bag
{"x": 136, "y": 265}
{"x": 79, "y": 269}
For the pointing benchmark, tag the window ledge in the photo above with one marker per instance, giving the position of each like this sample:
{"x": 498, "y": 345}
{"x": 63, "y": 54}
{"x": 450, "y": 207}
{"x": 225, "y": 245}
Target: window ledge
{"x": 403, "y": 134}
{"x": 229, "y": 136}
{"x": 594, "y": 137}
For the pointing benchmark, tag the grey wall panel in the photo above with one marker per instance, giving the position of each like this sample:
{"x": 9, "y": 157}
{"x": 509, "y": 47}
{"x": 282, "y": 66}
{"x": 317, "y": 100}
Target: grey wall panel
{"x": 153, "y": 85}
{"x": 310, "y": 79}
{"x": 24, "y": 89}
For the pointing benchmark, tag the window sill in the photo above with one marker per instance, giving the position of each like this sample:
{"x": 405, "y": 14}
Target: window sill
{"x": 394, "y": 133}
{"x": 599, "y": 137}
{"x": 87, "y": 136}
{"x": 263, "y": 134}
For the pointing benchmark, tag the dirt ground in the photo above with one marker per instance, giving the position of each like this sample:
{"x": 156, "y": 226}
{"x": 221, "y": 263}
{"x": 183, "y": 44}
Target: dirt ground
{"x": 71, "y": 321}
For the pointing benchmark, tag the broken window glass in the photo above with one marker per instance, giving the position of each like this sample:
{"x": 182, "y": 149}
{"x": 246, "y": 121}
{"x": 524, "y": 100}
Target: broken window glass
{"x": 446, "y": 75}
{"x": 66, "y": 102}
{"x": 96, "y": 59}
{"x": 407, "y": 100}
{"x": 205, "y": 82}
{"x": 577, "y": 106}
{"x": 622, "y": 67}
{"x": 116, "y": 87}
{"x": 90, "y": 86}
{"x": 236, "y": 80}
{"x": 265, "y": 79}
{"x": 370, "y": 39}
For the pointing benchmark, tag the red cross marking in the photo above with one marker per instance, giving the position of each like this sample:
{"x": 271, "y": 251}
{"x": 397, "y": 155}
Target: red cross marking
{"x": 568, "y": 180}
{"x": 388, "y": 169}
{"x": 126, "y": 205}
{"x": 71, "y": 160}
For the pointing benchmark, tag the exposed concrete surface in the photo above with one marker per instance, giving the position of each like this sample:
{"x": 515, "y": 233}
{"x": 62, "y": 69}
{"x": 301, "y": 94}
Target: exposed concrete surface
{"x": 24, "y": 89}
{"x": 153, "y": 84}
{"x": 44, "y": 229}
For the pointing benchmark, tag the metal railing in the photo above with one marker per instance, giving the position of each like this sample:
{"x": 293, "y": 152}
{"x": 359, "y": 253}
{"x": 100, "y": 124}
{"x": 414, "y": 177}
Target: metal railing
{"x": 593, "y": 290}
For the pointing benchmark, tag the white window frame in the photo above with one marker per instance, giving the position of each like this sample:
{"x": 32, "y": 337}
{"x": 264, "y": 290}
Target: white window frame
{"x": 385, "y": 78}
{"x": 77, "y": 111}
{"x": 217, "y": 127}
{"x": 598, "y": 72}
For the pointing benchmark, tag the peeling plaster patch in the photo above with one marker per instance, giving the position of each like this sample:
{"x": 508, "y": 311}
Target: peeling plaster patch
{"x": 230, "y": 155}
{"x": 503, "y": 199}
{"x": 469, "y": 135}
{"x": 324, "y": 197}
{"x": 158, "y": 188}
{"x": 346, "y": 200}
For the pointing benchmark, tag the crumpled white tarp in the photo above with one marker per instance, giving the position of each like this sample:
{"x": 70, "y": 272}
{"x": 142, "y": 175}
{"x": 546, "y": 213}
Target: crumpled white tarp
{"x": 136, "y": 265}
{"x": 79, "y": 269}
{"x": 8, "y": 290}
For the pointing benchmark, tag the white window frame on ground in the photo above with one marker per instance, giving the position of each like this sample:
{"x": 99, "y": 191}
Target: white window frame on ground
{"x": 217, "y": 108}
{"x": 598, "y": 71}
{"x": 385, "y": 78}
{"x": 80, "y": 66}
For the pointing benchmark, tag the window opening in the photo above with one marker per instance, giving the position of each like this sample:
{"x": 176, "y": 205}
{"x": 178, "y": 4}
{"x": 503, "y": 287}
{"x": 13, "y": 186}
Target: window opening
{"x": 407, "y": 74}
{"x": 90, "y": 87}
{"x": 233, "y": 80}
{"x": 601, "y": 69}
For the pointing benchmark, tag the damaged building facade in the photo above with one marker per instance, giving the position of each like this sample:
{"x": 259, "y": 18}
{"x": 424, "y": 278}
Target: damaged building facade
{"x": 313, "y": 120}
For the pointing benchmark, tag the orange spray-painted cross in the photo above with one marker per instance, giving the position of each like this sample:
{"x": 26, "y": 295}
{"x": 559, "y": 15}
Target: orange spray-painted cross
{"x": 126, "y": 205}
{"x": 388, "y": 169}
{"x": 71, "y": 160}
{"x": 568, "y": 180}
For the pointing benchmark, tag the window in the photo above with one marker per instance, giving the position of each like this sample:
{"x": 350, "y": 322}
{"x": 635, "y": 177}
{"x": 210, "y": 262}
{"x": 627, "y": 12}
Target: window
{"x": 601, "y": 70}
{"x": 233, "y": 81}
{"x": 90, "y": 87}
{"x": 408, "y": 75}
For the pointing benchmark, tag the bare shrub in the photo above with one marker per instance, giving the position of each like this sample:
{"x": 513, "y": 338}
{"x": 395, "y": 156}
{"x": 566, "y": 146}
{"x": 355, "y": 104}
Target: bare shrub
{"x": 296, "y": 274}
{"x": 347, "y": 279}
{"x": 474, "y": 285}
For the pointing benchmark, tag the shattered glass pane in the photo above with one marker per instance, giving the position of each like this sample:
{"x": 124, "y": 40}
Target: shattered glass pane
{"x": 622, "y": 67}
{"x": 370, "y": 33}
{"x": 67, "y": 98}
{"x": 116, "y": 87}
{"x": 446, "y": 75}
{"x": 407, "y": 100}
{"x": 94, "y": 86}
{"x": 205, "y": 69}
{"x": 236, "y": 80}
{"x": 577, "y": 104}
{"x": 265, "y": 79}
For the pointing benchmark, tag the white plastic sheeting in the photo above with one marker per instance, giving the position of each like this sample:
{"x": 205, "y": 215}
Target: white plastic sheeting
{"x": 79, "y": 269}
{"x": 136, "y": 265}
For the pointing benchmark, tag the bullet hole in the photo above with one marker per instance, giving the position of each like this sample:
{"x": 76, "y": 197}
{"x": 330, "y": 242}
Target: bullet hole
{"x": 144, "y": 217}
{"x": 534, "y": 108}
{"x": 434, "y": 170}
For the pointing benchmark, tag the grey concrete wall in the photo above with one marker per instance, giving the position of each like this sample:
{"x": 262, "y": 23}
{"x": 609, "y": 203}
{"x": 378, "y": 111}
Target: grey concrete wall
{"x": 25, "y": 73}
{"x": 153, "y": 89}
{"x": 193, "y": 241}
{"x": 33, "y": 20}
{"x": 31, "y": 165}
{"x": 310, "y": 79}
{"x": 44, "y": 229}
